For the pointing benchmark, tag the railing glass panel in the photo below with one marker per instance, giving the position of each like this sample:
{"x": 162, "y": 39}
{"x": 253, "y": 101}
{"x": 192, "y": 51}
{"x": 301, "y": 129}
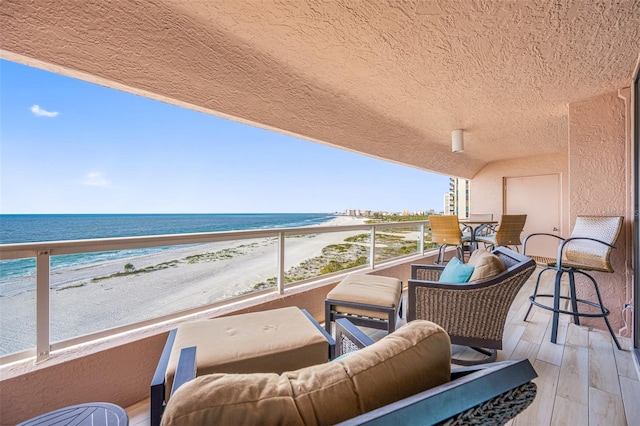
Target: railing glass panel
{"x": 17, "y": 305}
{"x": 120, "y": 292}
{"x": 313, "y": 255}
{"x": 397, "y": 242}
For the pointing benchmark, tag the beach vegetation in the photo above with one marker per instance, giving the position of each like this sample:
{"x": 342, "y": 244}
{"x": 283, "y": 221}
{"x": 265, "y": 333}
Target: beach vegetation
{"x": 332, "y": 266}
{"x": 228, "y": 253}
{"x": 430, "y": 245}
{"x": 268, "y": 283}
{"x": 158, "y": 267}
{"x": 381, "y": 238}
{"x": 380, "y": 218}
{"x": 334, "y": 258}
{"x": 214, "y": 256}
{"x": 389, "y": 238}
{"x": 335, "y": 266}
{"x": 338, "y": 248}
{"x": 360, "y": 238}
{"x": 223, "y": 254}
{"x": 395, "y": 251}
{"x": 72, "y": 286}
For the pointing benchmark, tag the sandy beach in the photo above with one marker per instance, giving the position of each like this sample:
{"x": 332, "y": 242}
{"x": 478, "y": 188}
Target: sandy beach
{"x": 90, "y": 298}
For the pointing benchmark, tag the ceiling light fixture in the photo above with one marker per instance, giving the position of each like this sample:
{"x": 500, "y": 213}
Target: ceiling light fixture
{"x": 457, "y": 141}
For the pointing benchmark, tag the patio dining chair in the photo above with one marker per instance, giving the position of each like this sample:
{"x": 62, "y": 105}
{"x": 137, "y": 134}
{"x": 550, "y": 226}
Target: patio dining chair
{"x": 445, "y": 231}
{"x": 587, "y": 249}
{"x": 507, "y": 234}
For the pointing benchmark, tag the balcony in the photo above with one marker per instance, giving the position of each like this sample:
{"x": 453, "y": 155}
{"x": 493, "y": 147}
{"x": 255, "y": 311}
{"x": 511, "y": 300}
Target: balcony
{"x": 541, "y": 88}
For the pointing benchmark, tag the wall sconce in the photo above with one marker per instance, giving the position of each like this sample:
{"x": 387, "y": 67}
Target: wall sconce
{"x": 457, "y": 141}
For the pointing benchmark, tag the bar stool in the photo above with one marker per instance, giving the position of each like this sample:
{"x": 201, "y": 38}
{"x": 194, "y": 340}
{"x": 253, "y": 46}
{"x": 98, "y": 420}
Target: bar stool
{"x": 587, "y": 249}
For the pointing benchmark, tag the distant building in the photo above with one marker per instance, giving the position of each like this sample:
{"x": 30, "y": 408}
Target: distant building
{"x": 457, "y": 200}
{"x": 449, "y": 204}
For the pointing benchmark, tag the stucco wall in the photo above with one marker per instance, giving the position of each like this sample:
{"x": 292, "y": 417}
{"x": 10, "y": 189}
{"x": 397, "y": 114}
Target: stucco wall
{"x": 487, "y": 186}
{"x": 598, "y": 186}
{"x": 595, "y": 181}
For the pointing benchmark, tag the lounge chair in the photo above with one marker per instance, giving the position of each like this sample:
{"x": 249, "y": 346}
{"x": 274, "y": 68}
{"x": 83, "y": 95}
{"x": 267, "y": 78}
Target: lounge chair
{"x": 404, "y": 378}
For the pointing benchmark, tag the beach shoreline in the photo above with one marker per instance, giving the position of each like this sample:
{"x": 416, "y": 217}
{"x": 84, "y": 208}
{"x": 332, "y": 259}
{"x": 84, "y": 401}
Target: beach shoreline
{"x": 217, "y": 271}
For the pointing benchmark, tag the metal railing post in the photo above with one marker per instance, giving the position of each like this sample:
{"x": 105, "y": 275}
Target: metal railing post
{"x": 372, "y": 250}
{"x": 281, "y": 242}
{"x": 43, "y": 343}
{"x": 421, "y": 240}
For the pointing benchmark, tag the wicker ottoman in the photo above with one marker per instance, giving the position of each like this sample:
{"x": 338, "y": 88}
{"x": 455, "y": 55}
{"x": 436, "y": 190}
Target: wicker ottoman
{"x": 270, "y": 341}
{"x": 366, "y": 300}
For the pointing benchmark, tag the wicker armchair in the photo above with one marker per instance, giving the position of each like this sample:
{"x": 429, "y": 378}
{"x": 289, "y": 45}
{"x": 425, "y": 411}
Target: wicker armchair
{"x": 473, "y": 313}
{"x": 507, "y": 234}
{"x": 587, "y": 249}
{"x": 445, "y": 230}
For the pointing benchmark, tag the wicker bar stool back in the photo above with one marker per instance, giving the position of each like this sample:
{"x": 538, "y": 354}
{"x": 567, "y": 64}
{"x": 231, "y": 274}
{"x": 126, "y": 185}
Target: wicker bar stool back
{"x": 587, "y": 249}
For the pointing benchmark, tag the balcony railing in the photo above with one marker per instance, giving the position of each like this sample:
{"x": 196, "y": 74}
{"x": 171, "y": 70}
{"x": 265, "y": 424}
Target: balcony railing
{"x": 375, "y": 237}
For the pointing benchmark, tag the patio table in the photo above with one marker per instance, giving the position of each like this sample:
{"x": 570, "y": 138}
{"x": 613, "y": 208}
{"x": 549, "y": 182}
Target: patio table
{"x": 475, "y": 226}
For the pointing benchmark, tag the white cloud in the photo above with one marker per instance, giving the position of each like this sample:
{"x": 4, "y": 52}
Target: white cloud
{"x": 96, "y": 179}
{"x": 43, "y": 113}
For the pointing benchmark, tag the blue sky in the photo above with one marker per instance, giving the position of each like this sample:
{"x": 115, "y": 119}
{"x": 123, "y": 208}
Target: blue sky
{"x": 69, "y": 146}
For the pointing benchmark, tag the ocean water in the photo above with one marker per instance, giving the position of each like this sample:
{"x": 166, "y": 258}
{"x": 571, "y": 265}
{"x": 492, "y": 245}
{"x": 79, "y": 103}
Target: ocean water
{"x": 62, "y": 227}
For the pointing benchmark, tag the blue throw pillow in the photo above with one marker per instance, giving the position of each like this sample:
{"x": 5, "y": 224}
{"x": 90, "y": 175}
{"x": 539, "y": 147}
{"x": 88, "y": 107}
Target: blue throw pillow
{"x": 456, "y": 272}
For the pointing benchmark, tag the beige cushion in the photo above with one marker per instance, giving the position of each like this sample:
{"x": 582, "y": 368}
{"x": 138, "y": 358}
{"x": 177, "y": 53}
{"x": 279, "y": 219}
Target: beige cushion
{"x": 270, "y": 341}
{"x": 414, "y": 358}
{"x": 368, "y": 289}
{"x": 486, "y": 265}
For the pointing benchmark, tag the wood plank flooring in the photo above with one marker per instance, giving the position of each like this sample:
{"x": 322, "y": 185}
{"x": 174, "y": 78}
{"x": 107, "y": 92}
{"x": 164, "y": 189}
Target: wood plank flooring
{"x": 583, "y": 380}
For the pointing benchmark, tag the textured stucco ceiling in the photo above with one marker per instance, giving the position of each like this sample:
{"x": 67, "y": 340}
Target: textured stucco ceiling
{"x": 391, "y": 79}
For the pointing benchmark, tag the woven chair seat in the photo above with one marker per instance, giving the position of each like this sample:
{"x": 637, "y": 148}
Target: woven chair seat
{"x": 543, "y": 260}
{"x": 489, "y": 239}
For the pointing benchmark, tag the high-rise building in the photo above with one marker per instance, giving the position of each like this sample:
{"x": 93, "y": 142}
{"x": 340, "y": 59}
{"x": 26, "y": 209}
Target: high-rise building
{"x": 457, "y": 200}
{"x": 448, "y": 206}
